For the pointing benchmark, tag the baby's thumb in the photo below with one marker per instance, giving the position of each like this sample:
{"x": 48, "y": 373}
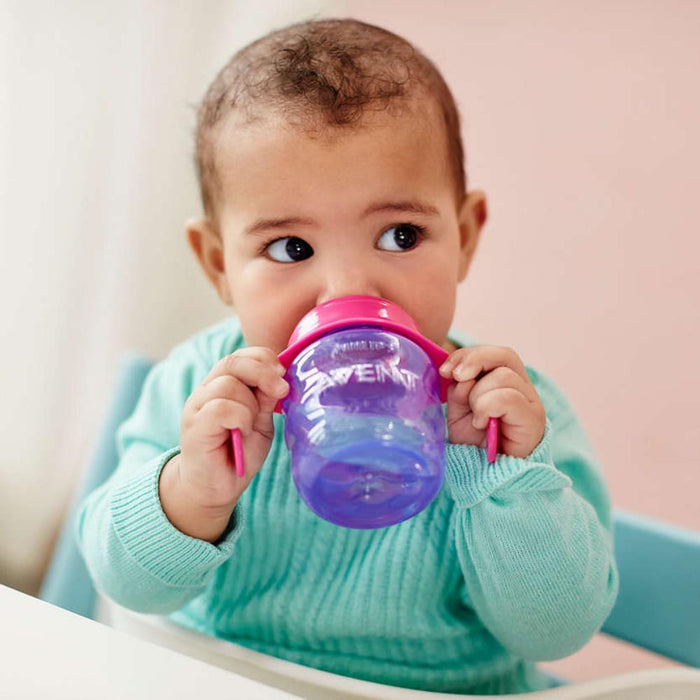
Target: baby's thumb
{"x": 263, "y": 422}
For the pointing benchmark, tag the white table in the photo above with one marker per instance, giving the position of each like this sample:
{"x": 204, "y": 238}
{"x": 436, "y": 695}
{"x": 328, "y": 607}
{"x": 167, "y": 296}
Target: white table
{"x": 47, "y": 652}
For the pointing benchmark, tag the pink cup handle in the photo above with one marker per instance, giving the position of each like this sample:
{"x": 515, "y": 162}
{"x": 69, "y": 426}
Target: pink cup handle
{"x": 492, "y": 439}
{"x": 238, "y": 451}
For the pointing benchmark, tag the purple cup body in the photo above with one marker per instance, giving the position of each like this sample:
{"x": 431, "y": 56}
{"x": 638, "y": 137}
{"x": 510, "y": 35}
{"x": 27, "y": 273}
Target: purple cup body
{"x": 365, "y": 427}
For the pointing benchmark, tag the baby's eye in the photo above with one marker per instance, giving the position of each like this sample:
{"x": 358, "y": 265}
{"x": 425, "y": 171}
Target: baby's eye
{"x": 288, "y": 250}
{"x": 401, "y": 237}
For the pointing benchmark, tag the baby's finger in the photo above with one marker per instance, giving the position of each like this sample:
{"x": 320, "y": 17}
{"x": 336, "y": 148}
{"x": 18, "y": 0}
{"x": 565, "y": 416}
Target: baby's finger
{"x": 469, "y": 363}
{"x": 225, "y": 386}
{"x": 459, "y": 417}
{"x": 510, "y": 405}
{"x": 261, "y": 353}
{"x": 459, "y": 393}
{"x": 220, "y": 416}
{"x": 268, "y": 402}
{"x": 502, "y": 378}
{"x": 253, "y": 372}
{"x": 231, "y": 363}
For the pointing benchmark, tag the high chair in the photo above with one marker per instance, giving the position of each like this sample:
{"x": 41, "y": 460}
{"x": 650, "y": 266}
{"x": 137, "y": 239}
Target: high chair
{"x": 658, "y": 607}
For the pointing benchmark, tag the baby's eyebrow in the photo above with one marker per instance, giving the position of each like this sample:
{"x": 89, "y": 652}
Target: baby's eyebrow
{"x": 262, "y": 225}
{"x": 407, "y": 206}
{"x": 403, "y": 206}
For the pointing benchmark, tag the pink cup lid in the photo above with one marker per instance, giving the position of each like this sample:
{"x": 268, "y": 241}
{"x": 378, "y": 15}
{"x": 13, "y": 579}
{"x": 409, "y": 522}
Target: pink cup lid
{"x": 366, "y": 311}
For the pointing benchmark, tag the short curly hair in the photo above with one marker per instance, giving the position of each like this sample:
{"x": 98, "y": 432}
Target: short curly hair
{"x": 319, "y": 74}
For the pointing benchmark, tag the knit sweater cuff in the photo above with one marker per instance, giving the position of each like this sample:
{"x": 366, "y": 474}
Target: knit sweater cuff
{"x": 154, "y": 542}
{"x": 470, "y": 478}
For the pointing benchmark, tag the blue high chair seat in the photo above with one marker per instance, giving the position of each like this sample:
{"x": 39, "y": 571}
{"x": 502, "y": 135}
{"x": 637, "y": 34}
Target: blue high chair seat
{"x": 658, "y": 607}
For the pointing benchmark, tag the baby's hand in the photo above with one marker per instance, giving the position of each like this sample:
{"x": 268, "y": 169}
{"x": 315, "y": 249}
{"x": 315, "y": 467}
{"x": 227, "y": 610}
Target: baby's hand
{"x": 241, "y": 391}
{"x": 201, "y": 488}
{"x": 492, "y": 383}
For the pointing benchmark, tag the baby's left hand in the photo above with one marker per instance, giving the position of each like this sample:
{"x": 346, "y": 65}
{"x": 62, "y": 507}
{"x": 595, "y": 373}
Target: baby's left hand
{"x": 492, "y": 383}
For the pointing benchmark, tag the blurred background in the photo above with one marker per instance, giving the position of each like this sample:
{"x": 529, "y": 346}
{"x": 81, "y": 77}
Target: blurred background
{"x": 580, "y": 123}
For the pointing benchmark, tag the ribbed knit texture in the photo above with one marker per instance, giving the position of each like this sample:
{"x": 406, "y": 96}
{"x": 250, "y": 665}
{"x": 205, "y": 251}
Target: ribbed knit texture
{"x": 511, "y": 563}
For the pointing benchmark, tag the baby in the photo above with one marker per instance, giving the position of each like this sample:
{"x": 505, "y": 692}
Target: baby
{"x": 330, "y": 162}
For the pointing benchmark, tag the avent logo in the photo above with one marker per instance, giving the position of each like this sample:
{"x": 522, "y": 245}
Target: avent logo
{"x": 373, "y": 373}
{"x": 314, "y": 381}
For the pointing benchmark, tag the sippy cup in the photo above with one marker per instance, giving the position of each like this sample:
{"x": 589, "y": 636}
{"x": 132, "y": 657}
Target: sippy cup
{"x": 365, "y": 424}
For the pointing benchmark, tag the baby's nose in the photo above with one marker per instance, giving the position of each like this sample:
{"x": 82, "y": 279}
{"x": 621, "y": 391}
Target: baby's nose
{"x": 348, "y": 281}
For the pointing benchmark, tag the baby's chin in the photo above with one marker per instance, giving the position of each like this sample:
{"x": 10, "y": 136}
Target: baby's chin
{"x": 277, "y": 345}
{"x": 448, "y": 345}
{"x": 258, "y": 334}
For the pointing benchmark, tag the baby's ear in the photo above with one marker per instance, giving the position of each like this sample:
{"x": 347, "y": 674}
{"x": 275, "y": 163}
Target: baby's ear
{"x": 208, "y": 246}
{"x": 472, "y": 217}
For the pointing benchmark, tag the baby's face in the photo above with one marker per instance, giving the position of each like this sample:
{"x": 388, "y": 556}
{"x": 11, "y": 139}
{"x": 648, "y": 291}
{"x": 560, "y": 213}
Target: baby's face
{"x": 304, "y": 220}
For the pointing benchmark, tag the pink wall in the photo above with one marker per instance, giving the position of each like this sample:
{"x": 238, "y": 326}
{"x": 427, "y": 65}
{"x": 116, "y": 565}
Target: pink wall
{"x": 582, "y": 124}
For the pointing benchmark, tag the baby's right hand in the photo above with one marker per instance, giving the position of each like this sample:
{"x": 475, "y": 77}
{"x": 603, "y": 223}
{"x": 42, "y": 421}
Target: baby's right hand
{"x": 241, "y": 391}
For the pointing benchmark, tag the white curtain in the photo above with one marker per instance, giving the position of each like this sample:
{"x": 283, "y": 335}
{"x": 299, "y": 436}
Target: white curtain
{"x": 96, "y": 121}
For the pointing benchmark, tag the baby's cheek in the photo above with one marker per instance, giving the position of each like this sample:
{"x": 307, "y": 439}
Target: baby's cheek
{"x": 438, "y": 315}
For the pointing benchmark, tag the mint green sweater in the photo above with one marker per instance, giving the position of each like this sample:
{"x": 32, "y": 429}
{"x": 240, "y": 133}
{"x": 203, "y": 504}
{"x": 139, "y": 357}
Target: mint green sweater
{"x": 511, "y": 563}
